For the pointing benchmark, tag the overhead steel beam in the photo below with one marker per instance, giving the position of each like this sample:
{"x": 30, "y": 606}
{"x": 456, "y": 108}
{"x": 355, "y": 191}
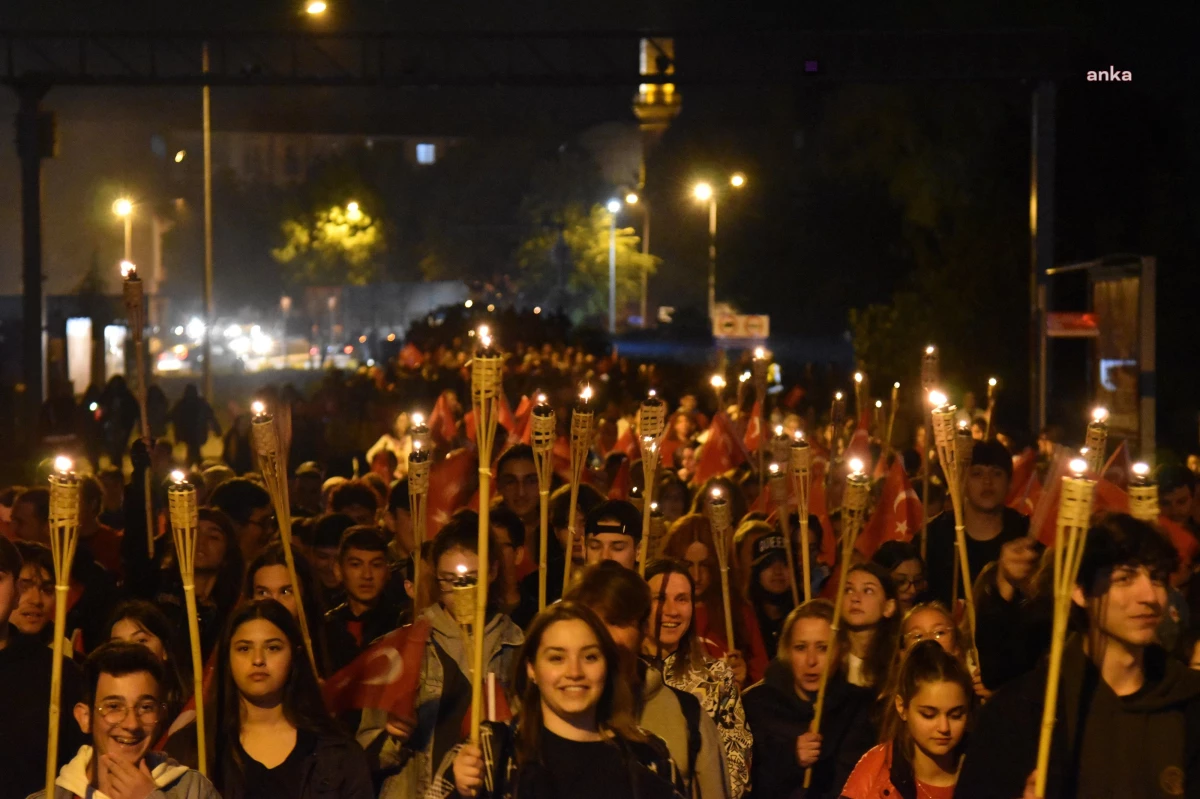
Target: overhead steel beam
{"x": 580, "y": 59}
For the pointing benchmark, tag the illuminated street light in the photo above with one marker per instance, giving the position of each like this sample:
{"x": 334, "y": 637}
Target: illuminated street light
{"x": 614, "y": 205}
{"x": 702, "y": 192}
{"x": 737, "y": 180}
{"x": 631, "y": 198}
{"x": 123, "y": 207}
{"x": 316, "y": 8}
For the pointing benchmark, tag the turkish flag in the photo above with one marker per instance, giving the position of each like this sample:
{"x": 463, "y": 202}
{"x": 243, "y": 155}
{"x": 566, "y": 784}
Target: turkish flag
{"x": 721, "y": 452}
{"x": 897, "y": 516}
{"x": 1024, "y": 477}
{"x": 522, "y": 429}
{"x": 628, "y": 444}
{"x": 1119, "y": 467}
{"x": 449, "y": 487}
{"x": 496, "y": 707}
{"x": 386, "y": 676}
{"x": 504, "y": 418}
{"x": 442, "y": 424}
{"x": 753, "y": 438}
{"x": 622, "y": 482}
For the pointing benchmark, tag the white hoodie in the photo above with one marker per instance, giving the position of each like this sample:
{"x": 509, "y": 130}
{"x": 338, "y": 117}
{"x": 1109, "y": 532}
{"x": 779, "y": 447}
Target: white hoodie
{"x": 174, "y": 781}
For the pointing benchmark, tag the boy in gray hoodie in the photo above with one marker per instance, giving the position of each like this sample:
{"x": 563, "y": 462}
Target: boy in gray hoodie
{"x": 122, "y": 712}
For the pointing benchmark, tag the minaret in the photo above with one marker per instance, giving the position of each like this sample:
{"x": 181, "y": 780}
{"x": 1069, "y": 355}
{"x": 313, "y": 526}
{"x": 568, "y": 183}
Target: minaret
{"x": 655, "y": 104}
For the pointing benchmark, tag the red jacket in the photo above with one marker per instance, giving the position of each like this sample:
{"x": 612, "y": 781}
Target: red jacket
{"x": 880, "y": 776}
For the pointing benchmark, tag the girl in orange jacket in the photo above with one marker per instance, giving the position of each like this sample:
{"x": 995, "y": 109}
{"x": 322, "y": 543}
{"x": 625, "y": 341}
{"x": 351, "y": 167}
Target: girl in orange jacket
{"x": 923, "y": 748}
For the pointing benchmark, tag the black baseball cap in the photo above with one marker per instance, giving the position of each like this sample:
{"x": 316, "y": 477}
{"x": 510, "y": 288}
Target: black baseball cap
{"x": 614, "y": 516}
{"x": 766, "y": 549}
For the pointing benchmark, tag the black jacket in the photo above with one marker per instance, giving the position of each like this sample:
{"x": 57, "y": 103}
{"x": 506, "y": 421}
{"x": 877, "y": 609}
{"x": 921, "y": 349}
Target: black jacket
{"x": 24, "y": 714}
{"x": 1011, "y": 636}
{"x": 1146, "y": 745}
{"x": 778, "y": 716}
{"x": 941, "y": 556}
{"x": 343, "y": 645}
{"x": 335, "y": 769}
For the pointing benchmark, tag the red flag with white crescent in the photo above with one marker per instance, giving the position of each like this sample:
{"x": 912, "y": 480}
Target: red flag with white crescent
{"x": 897, "y": 516}
{"x": 753, "y": 438}
{"x": 450, "y": 487}
{"x": 720, "y": 453}
{"x": 386, "y": 676}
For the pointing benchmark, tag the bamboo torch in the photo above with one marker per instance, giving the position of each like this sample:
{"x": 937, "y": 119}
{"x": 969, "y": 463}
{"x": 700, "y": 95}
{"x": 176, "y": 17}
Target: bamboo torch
{"x": 135, "y": 309}
{"x": 878, "y": 417}
{"x": 891, "y": 425}
{"x": 944, "y": 432}
{"x": 1096, "y": 442}
{"x": 657, "y": 530}
{"x": 758, "y": 369}
{"x": 463, "y": 591}
{"x": 545, "y": 425}
{"x": 854, "y": 509}
{"x": 581, "y": 442}
{"x": 718, "y": 386}
{"x": 272, "y": 460}
{"x": 419, "y": 432}
{"x": 185, "y": 523}
{"x": 743, "y": 379}
{"x": 837, "y": 418}
{"x": 64, "y": 535}
{"x": 929, "y": 379}
{"x": 1143, "y": 494}
{"x": 801, "y": 463}
{"x": 721, "y": 521}
{"x": 778, "y": 470}
{"x": 991, "y": 411}
{"x": 1074, "y": 511}
{"x": 419, "y": 465}
{"x": 860, "y": 392}
{"x": 964, "y": 446}
{"x": 486, "y": 374}
{"x": 652, "y": 423}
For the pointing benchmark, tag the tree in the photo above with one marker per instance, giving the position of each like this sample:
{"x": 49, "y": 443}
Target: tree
{"x": 332, "y": 245}
{"x": 567, "y": 262}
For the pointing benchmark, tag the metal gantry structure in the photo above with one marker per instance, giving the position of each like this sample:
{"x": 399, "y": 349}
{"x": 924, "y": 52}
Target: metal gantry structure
{"x": 33, "y": 62}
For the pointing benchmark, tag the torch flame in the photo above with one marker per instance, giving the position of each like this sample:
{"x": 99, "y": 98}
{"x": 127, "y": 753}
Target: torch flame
{"x": 743, "y": 377}
{"x": 838, "y": 396}
{"x": 1078, "y": 467}
{"x": 418, "y": 419}
{"x": 778, "y": 430}
{"x": 128, "y": 269}
{"x": 1141, "y": 469}
{"x": 178, "y": 477}
{"x": 716, "y": 494}
{"x": 773, "y": 468}
{"x": 878, "y": 403}
{"x": 653, "y": 393}
{"x": 653, "y": 507}
{"x": 858, "y": 377}
{"x": 992, "y": 382}
{"x": 759, "y": 353}
{"x": 717, "y": 381}
{"x": 416, "y": 445}
{"x": 896, "y": 384}
{"x": 798, "y": 435}
{"x": 1100, "y": 415}
{"x": 258, "y": 408}
{"x": 586, "y": 394}
{"x": 541, "y": 398}
{"x": 930, "y": 350}
{"x": 936, "y": 398}
{"x": 63, "y": 464}
{"x": 856, "y": 466}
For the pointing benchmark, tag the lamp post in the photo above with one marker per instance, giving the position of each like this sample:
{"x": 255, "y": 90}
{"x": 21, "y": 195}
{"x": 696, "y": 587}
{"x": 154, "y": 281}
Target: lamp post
{"x": 614, "y": 207}
{"x": 632, "y": 198}
{"x": 123, "y": 208}
{"x": 704, "y": 192}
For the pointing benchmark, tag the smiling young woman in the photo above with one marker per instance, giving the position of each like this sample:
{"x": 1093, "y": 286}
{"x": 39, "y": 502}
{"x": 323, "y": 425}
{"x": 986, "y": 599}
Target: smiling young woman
{"x": 576, "y": 734}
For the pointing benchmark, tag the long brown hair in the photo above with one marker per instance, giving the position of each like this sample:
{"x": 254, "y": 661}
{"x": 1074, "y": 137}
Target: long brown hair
{"x": 614, "y": 712}
{"x": 926, "y": 663}
{"x": 689, "y": 656}
{"x": 695, "y": 529}
{"x": 885, "y": 638}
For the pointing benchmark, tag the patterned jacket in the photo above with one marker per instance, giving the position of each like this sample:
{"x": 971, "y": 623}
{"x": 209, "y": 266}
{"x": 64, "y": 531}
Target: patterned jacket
{"x": 718, "y": 693}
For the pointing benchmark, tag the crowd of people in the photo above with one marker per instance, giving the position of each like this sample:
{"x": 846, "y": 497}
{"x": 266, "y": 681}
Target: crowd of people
{"x": 695, "y": 674}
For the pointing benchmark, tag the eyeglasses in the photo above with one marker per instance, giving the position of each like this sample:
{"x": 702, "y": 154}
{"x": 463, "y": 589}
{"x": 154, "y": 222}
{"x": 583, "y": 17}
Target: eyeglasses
{"x": 148, "y": 711}
{"x": 903, "y": 583}
{"x": 936, "y": 634}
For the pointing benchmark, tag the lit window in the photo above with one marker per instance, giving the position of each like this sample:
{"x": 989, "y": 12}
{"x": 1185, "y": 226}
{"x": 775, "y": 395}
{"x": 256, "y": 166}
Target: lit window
{"x": 426, "y": 153}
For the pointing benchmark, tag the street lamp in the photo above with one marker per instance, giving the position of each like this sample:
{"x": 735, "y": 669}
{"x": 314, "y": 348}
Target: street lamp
{"x": 705, "y": 193}
{"x": 123, "y": 208}
{"x": 632, "y": 198}
{"x": 614, "y": 207}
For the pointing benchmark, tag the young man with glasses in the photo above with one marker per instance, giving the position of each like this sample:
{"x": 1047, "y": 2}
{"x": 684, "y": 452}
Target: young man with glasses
{"x": 123, "y": 712}
{"x": 413, "y": 748}
{"x": 517, "y": 482}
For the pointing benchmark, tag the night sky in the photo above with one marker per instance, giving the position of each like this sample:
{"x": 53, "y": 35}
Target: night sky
{"x": 1127, "y": 153}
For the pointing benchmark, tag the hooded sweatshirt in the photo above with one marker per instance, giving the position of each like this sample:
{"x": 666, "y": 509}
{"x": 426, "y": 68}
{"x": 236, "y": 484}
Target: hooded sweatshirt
{"x": 1104, "y": 746}
{"x": 173, "y": 780}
